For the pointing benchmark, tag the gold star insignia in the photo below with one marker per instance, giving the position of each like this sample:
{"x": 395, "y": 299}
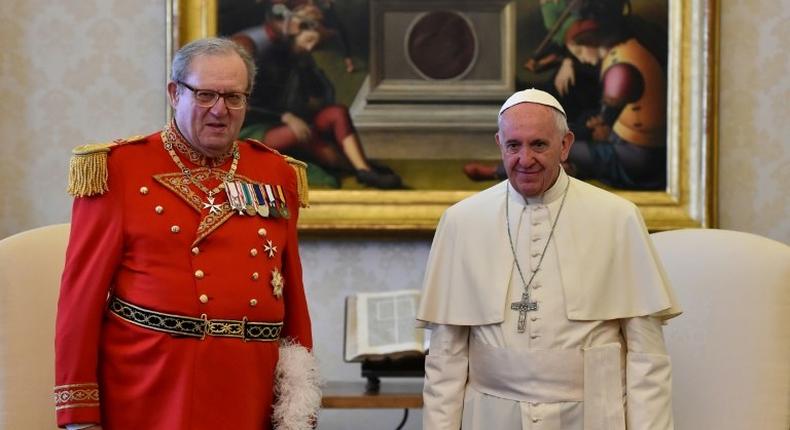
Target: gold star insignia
{"x": 277, "y": 283}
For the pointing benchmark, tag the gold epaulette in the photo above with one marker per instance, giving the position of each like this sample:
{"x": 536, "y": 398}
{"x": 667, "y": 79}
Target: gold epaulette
{"x": 300, "y": 167}
{"x": 88, "y": 167}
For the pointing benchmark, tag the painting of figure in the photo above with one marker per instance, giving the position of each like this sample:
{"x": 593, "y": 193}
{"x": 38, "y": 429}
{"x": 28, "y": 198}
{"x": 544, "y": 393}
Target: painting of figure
{"x": 293, "y": 108}
{"x": 606, "y": 61}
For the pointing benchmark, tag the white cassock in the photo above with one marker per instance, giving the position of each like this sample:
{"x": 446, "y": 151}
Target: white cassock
{"x": 592, "y": 355}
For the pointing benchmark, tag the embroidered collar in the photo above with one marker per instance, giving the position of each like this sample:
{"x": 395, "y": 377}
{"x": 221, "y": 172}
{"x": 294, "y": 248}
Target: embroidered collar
{"x": 171, "y": 134}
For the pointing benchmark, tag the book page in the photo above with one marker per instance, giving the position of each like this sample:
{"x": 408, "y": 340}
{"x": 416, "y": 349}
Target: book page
{"x": 350, "y": 347}
{"x": 386, "y": 322}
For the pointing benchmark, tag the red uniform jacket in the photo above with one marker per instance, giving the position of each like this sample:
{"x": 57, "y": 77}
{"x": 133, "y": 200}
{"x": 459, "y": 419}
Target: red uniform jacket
{"x": 149, "y": 241}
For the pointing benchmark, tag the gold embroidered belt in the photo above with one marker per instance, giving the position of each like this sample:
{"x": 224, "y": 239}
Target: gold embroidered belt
{"x": 195, "y": 327}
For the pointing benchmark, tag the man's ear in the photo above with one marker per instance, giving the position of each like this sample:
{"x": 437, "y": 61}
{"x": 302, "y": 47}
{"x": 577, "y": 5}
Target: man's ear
{"x": 172, "y": 93}
{"x": 567, "y": 142}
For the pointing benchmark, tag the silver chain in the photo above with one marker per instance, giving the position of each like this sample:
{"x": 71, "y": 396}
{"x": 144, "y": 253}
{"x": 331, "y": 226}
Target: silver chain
{"x": 551, "y": 233}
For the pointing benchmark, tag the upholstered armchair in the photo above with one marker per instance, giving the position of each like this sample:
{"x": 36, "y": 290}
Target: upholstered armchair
{"x": 31, "y": 263}
{"x": 730, "y": 349}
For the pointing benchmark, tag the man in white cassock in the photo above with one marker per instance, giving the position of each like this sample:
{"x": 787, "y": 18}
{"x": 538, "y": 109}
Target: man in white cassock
{"x": 545, "y": 297}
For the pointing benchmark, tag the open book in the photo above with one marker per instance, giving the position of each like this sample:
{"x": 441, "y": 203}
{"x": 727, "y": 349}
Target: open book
{"x": 382, "y": 325}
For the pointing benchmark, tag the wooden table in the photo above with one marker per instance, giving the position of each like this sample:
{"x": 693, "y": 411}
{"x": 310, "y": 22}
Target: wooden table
{"x": 391, "y": 395}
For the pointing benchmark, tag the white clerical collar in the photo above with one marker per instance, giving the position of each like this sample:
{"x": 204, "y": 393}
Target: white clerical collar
{"x": 553, "y": 193}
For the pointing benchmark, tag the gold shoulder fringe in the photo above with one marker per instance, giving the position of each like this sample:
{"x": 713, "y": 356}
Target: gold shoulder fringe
{"x": 88, "y": 169}
{"x": 300, "y": 167}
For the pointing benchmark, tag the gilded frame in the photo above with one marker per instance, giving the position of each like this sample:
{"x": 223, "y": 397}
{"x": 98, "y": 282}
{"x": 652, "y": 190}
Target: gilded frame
{"x": 690, "y": 199}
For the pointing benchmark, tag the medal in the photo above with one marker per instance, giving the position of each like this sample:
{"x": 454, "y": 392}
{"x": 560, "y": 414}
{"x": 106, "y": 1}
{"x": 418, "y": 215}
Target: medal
{"x": 272, "y": 202}
{"x": 283, "y": 207}
{"x": 234, "y": 197}
{"x": 249, "y": 206}
{"x": 263, "y": 208}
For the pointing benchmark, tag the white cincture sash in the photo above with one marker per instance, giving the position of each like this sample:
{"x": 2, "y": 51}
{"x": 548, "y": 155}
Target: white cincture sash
{"x": 592, "y": 375}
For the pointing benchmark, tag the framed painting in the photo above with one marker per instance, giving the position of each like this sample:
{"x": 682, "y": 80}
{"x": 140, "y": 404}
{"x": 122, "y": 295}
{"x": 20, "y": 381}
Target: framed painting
{"x": 420, "y": 84}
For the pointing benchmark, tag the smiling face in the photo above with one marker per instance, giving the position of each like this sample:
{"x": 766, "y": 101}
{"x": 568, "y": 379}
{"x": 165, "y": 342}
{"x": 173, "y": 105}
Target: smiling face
{"x": 212, "y": 130}
{"x": 532, "y": 146}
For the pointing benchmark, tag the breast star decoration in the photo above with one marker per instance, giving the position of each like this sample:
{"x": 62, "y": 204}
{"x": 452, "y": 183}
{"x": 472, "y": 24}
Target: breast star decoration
{"x": 277, "y": 283}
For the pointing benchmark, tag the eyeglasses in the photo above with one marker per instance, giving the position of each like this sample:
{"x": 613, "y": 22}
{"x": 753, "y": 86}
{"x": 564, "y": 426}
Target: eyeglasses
{"x": 208, "y": 98}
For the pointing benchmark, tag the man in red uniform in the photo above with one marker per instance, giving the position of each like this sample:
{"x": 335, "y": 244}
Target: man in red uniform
{"x": 182, "y": 304}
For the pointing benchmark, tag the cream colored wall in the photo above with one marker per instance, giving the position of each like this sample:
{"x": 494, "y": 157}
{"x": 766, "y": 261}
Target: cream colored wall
{"x": 91, "y": 70}
{"x": 754, "y": 167}
{"x": 71, "y": 72}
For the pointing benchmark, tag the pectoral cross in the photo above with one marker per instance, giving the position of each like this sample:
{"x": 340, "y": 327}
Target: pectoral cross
{"x": 523, "y": 307}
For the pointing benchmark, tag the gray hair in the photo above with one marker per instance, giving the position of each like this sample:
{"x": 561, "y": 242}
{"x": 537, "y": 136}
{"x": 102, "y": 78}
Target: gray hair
{"x": 183, "y": 58}
{"x": 560, "y": 121}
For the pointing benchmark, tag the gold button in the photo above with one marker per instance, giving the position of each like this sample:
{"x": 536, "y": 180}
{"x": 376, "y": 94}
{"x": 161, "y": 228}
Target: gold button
{"x": 533, "y": 318}
{"x": 255, "y": 276}
{"x": 175, "y": 229}
{"x": 195, "y": 251}
{"x": 253, "y": 252}
{"x": 253, "y": 302}
{"x": 143, "y": 190}
{"x": 261, "y": 232}
{"x": 203, "y": 298}
{"x": 199, "y": 274}
{"x": 159, "y": 209}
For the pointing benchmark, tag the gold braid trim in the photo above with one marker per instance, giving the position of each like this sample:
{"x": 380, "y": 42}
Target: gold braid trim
{"x": 76, "y": 396}
{"x": 88, "y": 167}
{"x": 300, "y": 167}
